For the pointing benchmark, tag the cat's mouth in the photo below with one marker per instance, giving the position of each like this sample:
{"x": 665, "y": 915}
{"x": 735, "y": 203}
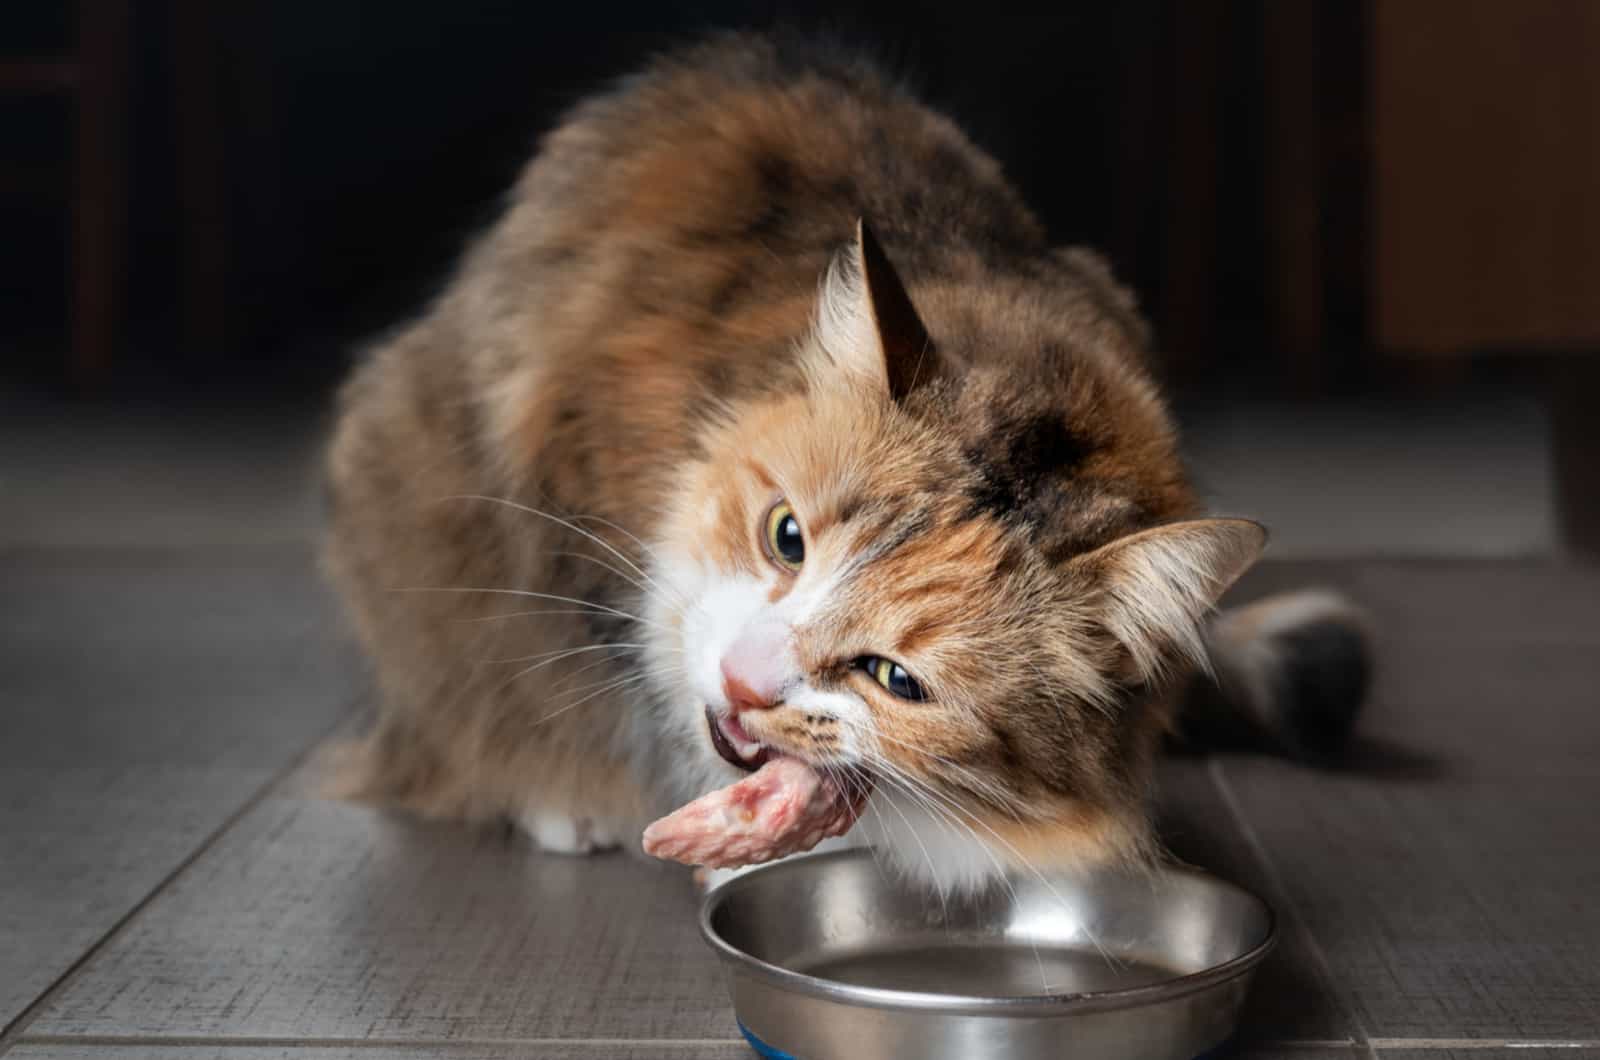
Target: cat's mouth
{"x": 785, "y": 806}
{"x": 735, "y": 745}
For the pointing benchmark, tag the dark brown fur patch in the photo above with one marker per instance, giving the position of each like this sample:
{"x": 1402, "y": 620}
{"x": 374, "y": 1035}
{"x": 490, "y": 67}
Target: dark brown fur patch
{"x": 1018, "y": 460}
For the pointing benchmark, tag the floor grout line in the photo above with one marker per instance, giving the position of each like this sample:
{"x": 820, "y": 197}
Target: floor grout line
{"x": 1468, "y": 1044}
{"x": 16, "y": 1029}
{"x": 178, "y": 1041}
{"x": 1324, "y": 968}
{"x": 256, "y": 553}
{"x": 181, "y": 1041}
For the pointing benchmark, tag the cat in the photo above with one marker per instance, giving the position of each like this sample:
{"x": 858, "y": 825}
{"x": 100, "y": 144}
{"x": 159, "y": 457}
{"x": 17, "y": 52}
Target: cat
{"x": 767, "y": 421}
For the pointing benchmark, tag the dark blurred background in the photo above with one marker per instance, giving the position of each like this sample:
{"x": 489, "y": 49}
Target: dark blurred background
{"x": 1368, "y": 220}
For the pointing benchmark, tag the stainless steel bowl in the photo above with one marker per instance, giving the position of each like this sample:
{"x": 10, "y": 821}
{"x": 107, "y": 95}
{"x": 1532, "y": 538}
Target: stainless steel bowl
{"x": 829, "y": 959}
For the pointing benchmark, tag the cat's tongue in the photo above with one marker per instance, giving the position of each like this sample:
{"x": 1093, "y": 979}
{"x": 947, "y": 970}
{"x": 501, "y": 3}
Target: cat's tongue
{"x": 783, "y": 808}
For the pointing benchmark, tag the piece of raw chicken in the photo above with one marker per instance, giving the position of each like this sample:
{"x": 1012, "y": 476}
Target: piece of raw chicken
{"x": 786, "y": 807}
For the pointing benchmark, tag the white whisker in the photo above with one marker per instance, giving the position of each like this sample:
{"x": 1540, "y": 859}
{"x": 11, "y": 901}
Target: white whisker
{"x": 659, "y": 671}
{"x": 978, "y": 784}
{"x": 549, "y": 661}
{"x": 619, "y": 683}
{"x": 595, "y": 607}
{"x": 906, "y": 783}
{"x": 602, "y": 564}
{"x": 562, "y": 653}
{"x": 1021, "y": 860}
{"x": 568, "y": 524}
{"x": 933, "y": 871}
{"x": 527, "y": 614}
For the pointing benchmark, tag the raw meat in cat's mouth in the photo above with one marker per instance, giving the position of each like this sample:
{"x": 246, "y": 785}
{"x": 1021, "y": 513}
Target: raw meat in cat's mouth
{"x": 784, "y": 807}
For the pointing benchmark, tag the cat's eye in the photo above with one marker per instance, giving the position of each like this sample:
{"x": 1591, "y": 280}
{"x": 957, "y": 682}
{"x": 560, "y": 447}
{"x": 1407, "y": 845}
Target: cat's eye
{"x": 893, "y": 677}
{"x": 785, "y": 544}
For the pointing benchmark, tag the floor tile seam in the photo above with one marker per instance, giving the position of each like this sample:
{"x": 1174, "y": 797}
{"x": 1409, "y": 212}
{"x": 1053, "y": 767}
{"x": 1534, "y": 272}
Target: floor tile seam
{"x": 181, "y": 1041}
{"x": 1291, "y": 912}
{"x": 1382, "y": 1045}
{"x": 16, "y": 1028}
{"x": 480, "y": 1042}
{"x": 217, "y": 552}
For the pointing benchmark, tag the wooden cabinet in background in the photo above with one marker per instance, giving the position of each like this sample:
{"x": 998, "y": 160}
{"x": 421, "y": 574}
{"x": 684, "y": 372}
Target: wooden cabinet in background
{"x": 1485, "y": 195}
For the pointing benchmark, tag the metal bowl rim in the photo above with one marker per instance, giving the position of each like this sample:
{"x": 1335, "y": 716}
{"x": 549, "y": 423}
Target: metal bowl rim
{"x": 1026, "y": 1004}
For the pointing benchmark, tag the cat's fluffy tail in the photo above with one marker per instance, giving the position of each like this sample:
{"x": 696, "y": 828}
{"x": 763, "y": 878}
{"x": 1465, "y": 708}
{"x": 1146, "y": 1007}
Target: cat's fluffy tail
{"x": 1291, "y": 672}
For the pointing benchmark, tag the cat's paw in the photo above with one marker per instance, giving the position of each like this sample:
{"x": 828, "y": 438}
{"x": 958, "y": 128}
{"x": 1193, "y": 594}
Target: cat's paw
{"x": 563, "y": 833}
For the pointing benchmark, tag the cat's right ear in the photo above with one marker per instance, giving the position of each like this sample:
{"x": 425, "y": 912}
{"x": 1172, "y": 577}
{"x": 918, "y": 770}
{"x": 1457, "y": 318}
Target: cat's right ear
{"x": 866, "y": 322}
{"x": 1157, "y": 585}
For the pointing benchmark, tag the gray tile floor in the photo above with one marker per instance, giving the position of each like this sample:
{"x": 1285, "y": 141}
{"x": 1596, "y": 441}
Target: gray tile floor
{"x": 169, "y": 889}
{"x": 1470, "y": 476}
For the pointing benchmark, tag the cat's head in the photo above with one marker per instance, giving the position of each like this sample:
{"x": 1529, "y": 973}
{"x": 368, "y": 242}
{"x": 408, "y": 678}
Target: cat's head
{"x": 965, "y": 577}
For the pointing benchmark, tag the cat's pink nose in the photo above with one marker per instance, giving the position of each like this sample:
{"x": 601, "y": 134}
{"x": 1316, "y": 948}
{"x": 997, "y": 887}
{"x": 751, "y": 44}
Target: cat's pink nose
{"x": 742, "y": 697}
{"x": 757, "y": 669}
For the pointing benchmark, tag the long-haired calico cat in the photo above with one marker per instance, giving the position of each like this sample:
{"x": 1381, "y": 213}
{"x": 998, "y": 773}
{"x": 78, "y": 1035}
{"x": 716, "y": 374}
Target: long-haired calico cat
{"x": 690, "y": 467}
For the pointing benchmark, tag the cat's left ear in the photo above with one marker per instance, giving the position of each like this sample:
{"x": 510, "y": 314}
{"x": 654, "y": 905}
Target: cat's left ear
{"x": 866, "y": 322}
{"x": 1157, "y": 585}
